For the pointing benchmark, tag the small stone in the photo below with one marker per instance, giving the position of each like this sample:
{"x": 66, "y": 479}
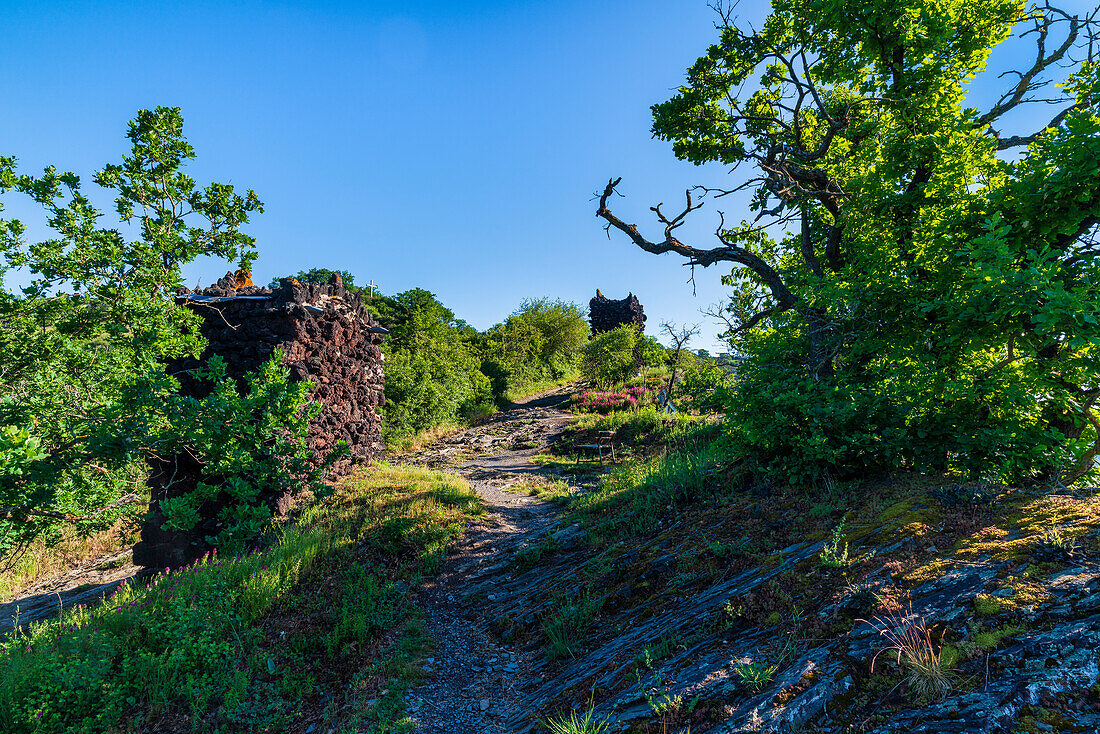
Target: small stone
{"x": 310, "y": 728}
{"x": 485, "y": 704}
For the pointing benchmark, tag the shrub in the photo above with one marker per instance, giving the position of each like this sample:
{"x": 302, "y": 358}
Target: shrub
{"x": 706, "y": 387}
{"x": 595, "y": 401}
{"x": 432, "y": 371}
{"x": 246, "y": 443}
{"x": 609, "y": 358}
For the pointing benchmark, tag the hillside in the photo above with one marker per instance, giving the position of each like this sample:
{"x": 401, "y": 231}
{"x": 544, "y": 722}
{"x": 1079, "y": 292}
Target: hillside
{"x": 720, "y": 607}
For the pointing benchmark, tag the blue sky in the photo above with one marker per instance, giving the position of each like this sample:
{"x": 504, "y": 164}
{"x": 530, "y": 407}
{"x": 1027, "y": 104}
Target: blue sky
{"x": 449, "y": 146}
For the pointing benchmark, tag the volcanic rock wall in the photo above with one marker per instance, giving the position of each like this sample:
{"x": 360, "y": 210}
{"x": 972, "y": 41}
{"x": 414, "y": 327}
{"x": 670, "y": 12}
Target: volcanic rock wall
{"x": 605, "y": 314}
{"x": 326, "y": 336}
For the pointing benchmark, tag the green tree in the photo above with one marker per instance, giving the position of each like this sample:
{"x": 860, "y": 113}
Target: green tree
{"x": 916, "y": 283}
{"x": 82, "y": 344}
{"x": 432, "y": 371}
{"x": 540, "y": 340}
{"x": 611, "y": 357}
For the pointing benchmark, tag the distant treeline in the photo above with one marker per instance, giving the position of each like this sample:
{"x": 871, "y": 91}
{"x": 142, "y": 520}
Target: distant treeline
{"x": 440, "y": 370}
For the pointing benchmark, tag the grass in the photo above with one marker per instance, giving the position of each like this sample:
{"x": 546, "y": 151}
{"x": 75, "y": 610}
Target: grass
{"x": 637, "y": 497}
{"x": 908, "y": 637}
{"x": 574, "y": 724}
{"x": 255, "y": 642}
{"x": 40, "y": 560}
{"x": 565, "y": 625}
{"x": 520, "y": 392}
{"x": 418, "y": 441}
{"x": 752, "y": 677}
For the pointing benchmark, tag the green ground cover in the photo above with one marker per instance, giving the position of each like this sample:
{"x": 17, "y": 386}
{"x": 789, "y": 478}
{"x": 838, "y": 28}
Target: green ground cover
{"x": 315, "y": 625}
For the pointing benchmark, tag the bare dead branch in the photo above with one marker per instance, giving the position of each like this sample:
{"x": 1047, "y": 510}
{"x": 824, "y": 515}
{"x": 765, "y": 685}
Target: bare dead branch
{"x": 730, "y": 252}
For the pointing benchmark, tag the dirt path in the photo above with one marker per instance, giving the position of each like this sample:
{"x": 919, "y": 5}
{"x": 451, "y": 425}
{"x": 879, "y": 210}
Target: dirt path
{"x": 475, "y": 682}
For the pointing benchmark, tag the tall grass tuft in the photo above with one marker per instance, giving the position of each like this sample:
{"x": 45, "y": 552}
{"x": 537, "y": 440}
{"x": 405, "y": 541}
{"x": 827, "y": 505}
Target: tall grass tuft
{"x": 910, "y": 640}
{"x": 573, "y": 724}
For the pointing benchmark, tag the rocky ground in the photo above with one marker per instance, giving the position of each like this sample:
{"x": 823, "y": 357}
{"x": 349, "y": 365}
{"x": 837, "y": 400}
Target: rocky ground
{"x": 476, "y": 682}
{"x": 679, "y": 618}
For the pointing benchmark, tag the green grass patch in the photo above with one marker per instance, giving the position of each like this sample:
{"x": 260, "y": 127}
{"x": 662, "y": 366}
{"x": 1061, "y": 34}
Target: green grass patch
{"x": 566, "y": 623}
{"x": 636, "y": 497}
{"x": 252, "y": 643}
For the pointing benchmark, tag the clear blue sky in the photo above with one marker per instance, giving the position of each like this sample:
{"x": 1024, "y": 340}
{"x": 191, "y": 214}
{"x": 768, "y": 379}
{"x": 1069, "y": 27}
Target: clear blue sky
{"x": 444, "y": 145}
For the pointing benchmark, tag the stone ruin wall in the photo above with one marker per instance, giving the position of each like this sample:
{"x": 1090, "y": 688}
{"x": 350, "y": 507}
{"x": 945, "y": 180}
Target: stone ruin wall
{"x": 327, "y": 337}
{"x": 605, "y": 314}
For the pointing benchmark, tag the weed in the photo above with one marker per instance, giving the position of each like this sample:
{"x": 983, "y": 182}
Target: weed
{"x": 529, "y": 556}
{"x": 835, "y": 555}
{"x": 729, "y": 551}
{"x": 653, "y": 654}
{"x": 1056, "y": 545}
{"x": 909, "y": 638}
{"x": 573, "y": 724}
{"x": 752, "y": 677}
{"x": 565, "y": 626}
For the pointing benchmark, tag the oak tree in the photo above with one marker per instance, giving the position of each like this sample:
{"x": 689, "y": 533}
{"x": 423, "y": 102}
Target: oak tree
{"x": 915, "y": 284}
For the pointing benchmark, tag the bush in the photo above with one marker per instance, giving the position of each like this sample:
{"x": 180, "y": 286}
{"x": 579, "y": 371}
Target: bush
{"x": 540, "y": 342}
{"x": 609, "y": 358}
{"x": 707, "y": 387}
{"x": 432, "y": 371}
{"x": 247, "y": 444}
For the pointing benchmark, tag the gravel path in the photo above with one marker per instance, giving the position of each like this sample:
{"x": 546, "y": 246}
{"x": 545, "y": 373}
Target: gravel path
{"x": 475, "y": 682}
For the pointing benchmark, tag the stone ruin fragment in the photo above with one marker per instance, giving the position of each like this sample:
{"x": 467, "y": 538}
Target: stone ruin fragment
{"x": 605, "y": 314}
{"x": 327, "y": 338}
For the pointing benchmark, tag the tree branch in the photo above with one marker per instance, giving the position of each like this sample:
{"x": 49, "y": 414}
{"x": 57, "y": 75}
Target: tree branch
{"x": 730, "y": 252}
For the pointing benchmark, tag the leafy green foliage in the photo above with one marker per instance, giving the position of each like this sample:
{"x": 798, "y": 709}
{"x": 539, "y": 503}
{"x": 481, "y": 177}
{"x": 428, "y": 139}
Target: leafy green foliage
{"x": 541, "y": 341}
{"x": 753, "y": 676}
{"x": 834, "y": 554}
{"x": 609, "y": 358}
{"x": 915, "y": 285}
{"x": 432, "y": 369}
{"x": 707, "y": 386}
{"x": 82, "y": 344}
{"x": 247, "y": 443}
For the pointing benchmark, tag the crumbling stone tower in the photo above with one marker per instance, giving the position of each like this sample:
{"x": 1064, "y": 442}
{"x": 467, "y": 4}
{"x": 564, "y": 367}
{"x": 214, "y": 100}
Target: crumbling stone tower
{"x": 605, "y": 314}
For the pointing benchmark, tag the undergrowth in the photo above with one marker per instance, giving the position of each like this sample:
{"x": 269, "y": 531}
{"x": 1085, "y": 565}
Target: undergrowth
{"x": 252, "y": 643}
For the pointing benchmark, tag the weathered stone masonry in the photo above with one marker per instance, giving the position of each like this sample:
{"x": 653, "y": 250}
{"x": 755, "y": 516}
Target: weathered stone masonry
{"x": 605, "y": 314}
{"x": 326, "y": 336}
